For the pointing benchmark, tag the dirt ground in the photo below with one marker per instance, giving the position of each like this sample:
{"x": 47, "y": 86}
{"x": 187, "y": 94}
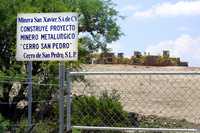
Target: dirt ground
{"x": 174, "y": 96}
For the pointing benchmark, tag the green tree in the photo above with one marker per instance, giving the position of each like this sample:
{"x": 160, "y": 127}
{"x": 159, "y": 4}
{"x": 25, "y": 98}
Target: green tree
{"x": 97, "y": 22}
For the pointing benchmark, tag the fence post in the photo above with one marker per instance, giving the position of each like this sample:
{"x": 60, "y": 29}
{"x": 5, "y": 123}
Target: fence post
{"x": 29, "y": 95}
{"x": 69, "y": 128}
{"x": 61, "y": 97}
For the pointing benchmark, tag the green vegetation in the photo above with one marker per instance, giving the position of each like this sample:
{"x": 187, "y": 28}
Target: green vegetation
{"x": 103, "y": 111}
{"x": 76, "y": 131}
{"x": 4, "y": 124}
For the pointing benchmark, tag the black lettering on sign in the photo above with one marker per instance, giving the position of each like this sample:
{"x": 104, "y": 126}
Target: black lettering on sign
{"x": 45, "y": 45}
{"x": 45, "y": 55}
{"x": 31, "y": 46}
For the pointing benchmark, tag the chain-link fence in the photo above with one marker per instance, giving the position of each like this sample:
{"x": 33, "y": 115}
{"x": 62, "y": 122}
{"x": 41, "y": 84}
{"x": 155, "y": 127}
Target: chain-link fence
{"x": 103, "y": 102}
{"x": 14, "y": 105}
{"x": 144, "y": 101}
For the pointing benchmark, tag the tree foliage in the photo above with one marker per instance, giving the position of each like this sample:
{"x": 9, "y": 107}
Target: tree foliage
{"x": 97, "y": 22}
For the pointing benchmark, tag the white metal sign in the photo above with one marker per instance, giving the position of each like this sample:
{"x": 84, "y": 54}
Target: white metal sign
{"x": 47, "y": 36}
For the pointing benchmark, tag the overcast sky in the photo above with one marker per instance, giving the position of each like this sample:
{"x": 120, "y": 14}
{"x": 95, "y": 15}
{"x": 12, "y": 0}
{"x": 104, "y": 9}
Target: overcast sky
{"x": 156, "y": 25}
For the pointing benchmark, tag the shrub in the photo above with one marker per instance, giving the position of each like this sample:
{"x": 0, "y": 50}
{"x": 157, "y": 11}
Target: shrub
{"x": 103, "y": 111}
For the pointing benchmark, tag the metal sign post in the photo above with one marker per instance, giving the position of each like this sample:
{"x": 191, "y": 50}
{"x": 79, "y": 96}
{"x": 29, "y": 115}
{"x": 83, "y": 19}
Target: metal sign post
{"x": 61, "y": 96}
{"x": 29, "y": 94}
{"x": 69, "y": 100}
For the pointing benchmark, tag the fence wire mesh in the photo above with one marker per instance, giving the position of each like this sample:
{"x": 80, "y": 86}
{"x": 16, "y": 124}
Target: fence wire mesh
{"x": 141, "y": 100}
{"x": 14, "y": 105}
{"x": 131, "y": 101}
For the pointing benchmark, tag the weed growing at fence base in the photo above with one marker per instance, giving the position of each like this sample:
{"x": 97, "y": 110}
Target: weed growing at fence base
{"x": 103, "y": 111}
